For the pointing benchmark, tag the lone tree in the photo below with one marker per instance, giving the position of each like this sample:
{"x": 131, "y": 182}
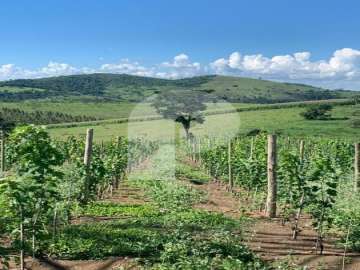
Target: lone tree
{"x": 319, "y": 112}
{"x": 182, "y": 106}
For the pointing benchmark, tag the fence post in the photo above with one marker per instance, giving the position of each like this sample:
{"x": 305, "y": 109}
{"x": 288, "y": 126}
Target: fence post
{"x": 357, "y": 167}
{"x": 88, "y": 146}
{"x": 87, "y": 158}
{"x": 271, "y": 175}
{"x": 252, "y": 146}
{"x": 2, "y": 164}
{"x": 302, "y": 147}
{"x": 199, "y": 149}
{"x": 231, "y": 183}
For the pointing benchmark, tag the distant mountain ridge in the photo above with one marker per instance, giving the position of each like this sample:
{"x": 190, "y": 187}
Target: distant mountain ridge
{"x": 130, "y": 88}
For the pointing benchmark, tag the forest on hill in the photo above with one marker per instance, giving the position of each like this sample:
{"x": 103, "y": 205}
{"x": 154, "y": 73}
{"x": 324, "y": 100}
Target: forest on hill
{"x": 129, "y": 88}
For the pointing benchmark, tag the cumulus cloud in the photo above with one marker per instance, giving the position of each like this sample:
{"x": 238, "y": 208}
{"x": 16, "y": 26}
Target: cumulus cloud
{"x": 127, "y": 67}
{"x": 11, "y": 71}
{"x": 341, "y": 70}
{"x": 343, "y": 65}
{"x": 180, "y": 67}
{"x": 56, "y": 69}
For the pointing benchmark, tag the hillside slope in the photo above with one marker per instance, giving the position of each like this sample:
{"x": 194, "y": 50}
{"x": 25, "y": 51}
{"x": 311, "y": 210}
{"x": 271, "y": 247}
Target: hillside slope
{"x": 130, "y": 88}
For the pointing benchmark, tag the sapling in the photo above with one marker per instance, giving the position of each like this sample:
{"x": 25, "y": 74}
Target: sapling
{"x": 323, "y": 184}
{"x": 31, "y": 192}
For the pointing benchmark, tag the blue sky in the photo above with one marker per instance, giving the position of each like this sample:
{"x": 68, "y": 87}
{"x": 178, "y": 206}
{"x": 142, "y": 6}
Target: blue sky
{"x": 174, "y": 39}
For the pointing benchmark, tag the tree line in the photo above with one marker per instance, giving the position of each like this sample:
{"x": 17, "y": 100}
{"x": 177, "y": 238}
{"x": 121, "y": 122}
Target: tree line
{"x": 20, "y": 117}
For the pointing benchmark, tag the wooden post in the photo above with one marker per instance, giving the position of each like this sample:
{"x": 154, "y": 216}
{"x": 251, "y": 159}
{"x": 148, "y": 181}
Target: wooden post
{"x": 87, "y": 157}
{"x": 302, "y": 147}
{"x": 252, "y": 146}
{"x": 102, "y": 148}
{"x": 271, "y": 175}
{"x": 22, "y": 249}
{"x": 231, "y": 182}
{"x": 2, "y": 164}
{"x": 199, "y": 149}
{"x": 357, "y": 167}
{"x": 88, "y": 146}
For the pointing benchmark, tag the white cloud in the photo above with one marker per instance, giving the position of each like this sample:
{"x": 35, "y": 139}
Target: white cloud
{"x": 343, "y": 65}
{"x": 7, "y": 71}
{"x": 128, "y": 67}
{"x": 180, "y": 67}
{"x": 220, "y": 65}
{"x": 10, "y": 71}
{"x": 342, "y": 69}
{"x": 235, "y": 60}
{"x": 56, "y": 69}
{"x": 302, "y": 56}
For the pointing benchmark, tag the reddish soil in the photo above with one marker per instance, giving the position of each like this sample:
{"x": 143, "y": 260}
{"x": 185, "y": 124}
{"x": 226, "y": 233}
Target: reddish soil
{"x": 109, "y": 264}
{"x": 268, "y": 238}
{"x": 273, "y": 241}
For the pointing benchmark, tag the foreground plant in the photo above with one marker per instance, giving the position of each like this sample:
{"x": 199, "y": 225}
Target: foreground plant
{"x": 28, "y": 197}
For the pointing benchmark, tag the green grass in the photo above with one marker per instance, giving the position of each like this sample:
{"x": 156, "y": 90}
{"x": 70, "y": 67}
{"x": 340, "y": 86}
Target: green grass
{"x": 104, "y": 110}
{"x": 109, "y": 209}
{"x": 192, "y": 174}
{"x": 12, "y": 89}
{"x": 286, "y": 121}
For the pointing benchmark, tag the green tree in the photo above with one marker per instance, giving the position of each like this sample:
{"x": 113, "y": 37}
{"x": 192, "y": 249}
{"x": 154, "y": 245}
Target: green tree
{"x": 181, "y": 106}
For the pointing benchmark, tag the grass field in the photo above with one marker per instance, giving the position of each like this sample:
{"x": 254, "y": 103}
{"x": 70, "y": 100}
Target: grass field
{"x": 10, "y": 89}
{"x": 102, "y": 110}
{"x": 286, "y": 121}
{"x": 105, "y": 110}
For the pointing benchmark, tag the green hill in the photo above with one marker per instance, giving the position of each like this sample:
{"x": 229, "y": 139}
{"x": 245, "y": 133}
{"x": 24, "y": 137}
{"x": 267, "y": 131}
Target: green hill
{"x": 122, "y": 87}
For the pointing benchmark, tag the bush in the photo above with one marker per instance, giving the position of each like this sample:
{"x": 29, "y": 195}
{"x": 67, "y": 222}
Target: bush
{"x": 319, "y": 112}
{"x": 355, "y": 123}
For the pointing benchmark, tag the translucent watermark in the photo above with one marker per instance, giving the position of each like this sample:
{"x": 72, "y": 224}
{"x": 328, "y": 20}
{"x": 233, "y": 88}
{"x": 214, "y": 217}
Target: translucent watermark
{"x": 179, "y": 116}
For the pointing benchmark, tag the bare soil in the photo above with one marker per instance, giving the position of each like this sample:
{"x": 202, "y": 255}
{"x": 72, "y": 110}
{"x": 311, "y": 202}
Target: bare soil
{"x": 269, "y": 238}
{"x": 272, "y": 240}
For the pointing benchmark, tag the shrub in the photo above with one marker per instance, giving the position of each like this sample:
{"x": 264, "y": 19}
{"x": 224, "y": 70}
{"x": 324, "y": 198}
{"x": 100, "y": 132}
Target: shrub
{"x": 318, "y": 112}
{"x": 355, "y": 123}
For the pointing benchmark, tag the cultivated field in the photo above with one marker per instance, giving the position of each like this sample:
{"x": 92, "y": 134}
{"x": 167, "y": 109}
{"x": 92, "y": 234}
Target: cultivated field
{"x": 284, "y": 121}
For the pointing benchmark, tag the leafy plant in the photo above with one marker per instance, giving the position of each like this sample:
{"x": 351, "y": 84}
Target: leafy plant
{"x": 29, "y": 196}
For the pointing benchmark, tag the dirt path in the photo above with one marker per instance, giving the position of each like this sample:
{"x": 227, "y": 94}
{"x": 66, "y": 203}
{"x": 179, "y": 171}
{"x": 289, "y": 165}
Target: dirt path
{"x": 109, "y": 264}
{"x": 272, "y": 241}
{"x": 219, "y": 200}
{"x": 268, "y": 238}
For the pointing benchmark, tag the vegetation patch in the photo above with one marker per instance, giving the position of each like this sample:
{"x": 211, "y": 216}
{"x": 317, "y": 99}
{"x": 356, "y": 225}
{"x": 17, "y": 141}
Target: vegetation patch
{"x": 110, "y": 209}
{"x": 191, "y": 173}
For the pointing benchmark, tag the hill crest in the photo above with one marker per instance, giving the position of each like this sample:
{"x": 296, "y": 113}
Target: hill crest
{"x": 131, "y": 88}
